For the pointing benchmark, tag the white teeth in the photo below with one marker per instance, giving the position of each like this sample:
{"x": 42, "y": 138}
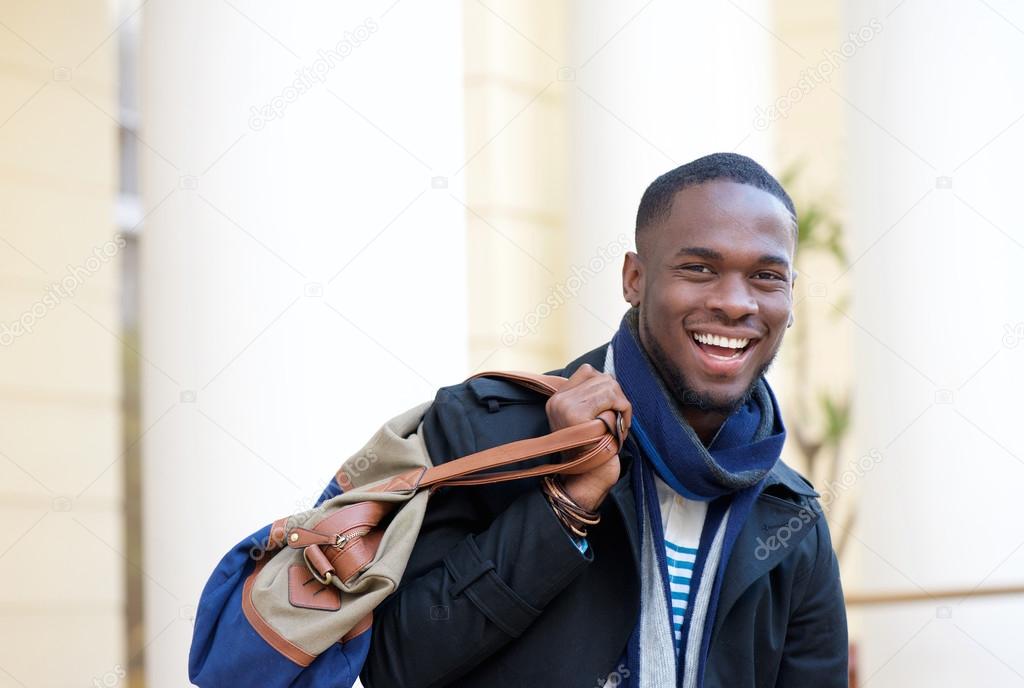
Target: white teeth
{"x": 715, "y": 340}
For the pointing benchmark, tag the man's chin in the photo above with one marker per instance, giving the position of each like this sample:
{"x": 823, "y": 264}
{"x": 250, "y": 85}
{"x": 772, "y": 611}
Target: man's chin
{"x": 715, "y": 401}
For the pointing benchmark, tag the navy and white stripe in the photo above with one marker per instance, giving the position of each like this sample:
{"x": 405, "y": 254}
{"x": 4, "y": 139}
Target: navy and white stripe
{"x": 682, "y": 521}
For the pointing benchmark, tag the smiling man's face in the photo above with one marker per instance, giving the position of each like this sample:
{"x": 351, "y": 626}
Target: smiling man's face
{"x": 714, "y": 286}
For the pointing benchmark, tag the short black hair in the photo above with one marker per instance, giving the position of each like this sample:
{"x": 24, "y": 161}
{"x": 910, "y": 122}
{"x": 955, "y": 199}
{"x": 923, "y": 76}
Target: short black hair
{"x": 656, "y": 203}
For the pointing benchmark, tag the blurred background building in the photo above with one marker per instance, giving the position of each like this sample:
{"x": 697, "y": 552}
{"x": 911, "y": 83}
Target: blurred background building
{"x": 235, "y": 237}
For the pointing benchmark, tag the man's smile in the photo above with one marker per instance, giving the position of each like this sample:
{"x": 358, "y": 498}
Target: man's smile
{"x": 722, "y": 354}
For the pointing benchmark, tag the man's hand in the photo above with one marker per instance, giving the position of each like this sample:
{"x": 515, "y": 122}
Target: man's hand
{"x": 587, "y": 394}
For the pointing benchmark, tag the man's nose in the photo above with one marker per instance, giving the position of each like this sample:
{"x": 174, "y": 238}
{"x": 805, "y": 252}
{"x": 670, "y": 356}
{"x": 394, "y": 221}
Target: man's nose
{"x": 733, "y": 296}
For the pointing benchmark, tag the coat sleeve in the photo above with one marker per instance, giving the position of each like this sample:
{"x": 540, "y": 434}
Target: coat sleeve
{"x": 473, "y": 585}
{"x": 817, "y": 647}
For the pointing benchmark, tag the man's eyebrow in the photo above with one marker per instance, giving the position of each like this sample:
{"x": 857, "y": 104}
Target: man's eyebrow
{"x": 712, "y": 254}
{"x": 773, "y": 259}
{"x": 699, "y": 251}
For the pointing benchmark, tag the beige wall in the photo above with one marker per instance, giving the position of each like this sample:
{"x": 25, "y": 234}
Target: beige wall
{"x": 809, "y": 126}
{"x": 806, "y": 119}
{"x": 60, "y": 476}
{"x": 515, "y": 182}
{"x": 809, "y": 136}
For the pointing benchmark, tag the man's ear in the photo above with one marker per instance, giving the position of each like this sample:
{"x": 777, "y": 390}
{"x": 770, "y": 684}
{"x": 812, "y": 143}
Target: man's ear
{"x": 632, "y": 278}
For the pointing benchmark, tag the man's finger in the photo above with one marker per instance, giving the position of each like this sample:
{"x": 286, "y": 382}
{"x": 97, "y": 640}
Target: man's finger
{"x": 580, "y": 375}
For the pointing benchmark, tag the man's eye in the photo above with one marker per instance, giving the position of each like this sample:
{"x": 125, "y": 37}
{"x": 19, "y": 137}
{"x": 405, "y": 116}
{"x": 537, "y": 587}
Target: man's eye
{"x": 694, "y": 268}
{"x": 768, "y": 275}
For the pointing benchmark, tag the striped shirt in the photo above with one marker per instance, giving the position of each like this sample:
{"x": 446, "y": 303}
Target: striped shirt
{"x": 682, "y": 521}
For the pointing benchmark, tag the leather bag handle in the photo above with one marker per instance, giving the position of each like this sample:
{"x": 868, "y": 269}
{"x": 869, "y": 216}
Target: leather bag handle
{"x": 603, "y": 436}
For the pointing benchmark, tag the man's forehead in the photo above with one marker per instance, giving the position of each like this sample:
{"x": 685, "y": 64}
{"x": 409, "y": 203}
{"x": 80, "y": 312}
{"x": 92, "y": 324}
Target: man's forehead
{"x": 723, "y": 212}
{"x": 724, "y": 200}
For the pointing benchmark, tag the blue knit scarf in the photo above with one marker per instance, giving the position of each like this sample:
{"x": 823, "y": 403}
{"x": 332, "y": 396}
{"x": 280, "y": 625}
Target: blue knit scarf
{"x": 729, "y": 476}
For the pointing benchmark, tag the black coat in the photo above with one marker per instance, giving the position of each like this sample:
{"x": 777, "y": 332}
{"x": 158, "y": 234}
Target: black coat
{"x": 496, "y": 594}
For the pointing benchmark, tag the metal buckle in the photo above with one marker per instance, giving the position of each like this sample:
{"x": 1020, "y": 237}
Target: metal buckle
{"x": 323, "y": 580}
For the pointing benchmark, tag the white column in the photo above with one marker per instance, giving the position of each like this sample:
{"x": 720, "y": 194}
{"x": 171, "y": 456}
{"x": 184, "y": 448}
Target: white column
{"x": 933, "y": 107}
{"x": 655, "y": 85}
{"x": 302, "y": 265}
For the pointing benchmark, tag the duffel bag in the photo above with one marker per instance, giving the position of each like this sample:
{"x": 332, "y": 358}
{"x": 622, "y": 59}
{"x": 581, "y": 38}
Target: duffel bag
{"x": 292, "y": 604}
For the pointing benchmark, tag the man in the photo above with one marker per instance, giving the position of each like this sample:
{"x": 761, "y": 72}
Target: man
{"x": 711, "y": 564}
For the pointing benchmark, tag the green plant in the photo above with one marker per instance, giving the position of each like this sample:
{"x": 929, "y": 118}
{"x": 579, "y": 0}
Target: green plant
{"x": 823, "y": 417}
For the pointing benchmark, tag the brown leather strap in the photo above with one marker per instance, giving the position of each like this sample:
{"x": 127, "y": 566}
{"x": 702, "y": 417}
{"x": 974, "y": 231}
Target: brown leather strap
{"x": 594, "y": 432}
{"x": 545, "y": 384}
{"x": 602, "y": 437}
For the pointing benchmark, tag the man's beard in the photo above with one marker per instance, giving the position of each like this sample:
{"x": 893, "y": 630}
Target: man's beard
{"x": 683, "y": 391}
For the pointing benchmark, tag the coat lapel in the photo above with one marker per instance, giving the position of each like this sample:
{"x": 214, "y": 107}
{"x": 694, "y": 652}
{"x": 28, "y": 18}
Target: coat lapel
{"x": 759, "y": 547}
{"x": 622, "y": 496}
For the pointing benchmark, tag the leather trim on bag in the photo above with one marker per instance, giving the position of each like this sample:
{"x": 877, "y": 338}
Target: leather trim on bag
{"x": 356, "y": 556}
{"x": 408, "y": 480}
{"x": 305, "y": 591}
{"x": 368, "y": 513}
{"x": 278, "y": 533}
{"x": 363, "y": 625}
{"x": 265, "y": 631}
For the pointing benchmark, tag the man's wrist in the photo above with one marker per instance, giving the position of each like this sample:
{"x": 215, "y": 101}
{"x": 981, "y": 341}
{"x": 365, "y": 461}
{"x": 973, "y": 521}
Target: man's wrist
{"x": 585, "y": 493}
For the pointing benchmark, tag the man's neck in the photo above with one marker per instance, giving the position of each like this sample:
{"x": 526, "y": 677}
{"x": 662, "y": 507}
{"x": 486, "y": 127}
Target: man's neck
{"x": 705, "y": 423}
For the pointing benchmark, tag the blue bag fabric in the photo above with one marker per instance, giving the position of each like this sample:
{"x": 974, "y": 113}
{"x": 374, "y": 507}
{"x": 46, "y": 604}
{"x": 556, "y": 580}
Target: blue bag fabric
{"x": 266, "y": 619}
{"x": 227, "y": 651}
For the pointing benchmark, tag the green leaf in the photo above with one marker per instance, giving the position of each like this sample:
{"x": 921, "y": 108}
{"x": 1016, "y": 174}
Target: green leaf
{"x": 837, "y": 417}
